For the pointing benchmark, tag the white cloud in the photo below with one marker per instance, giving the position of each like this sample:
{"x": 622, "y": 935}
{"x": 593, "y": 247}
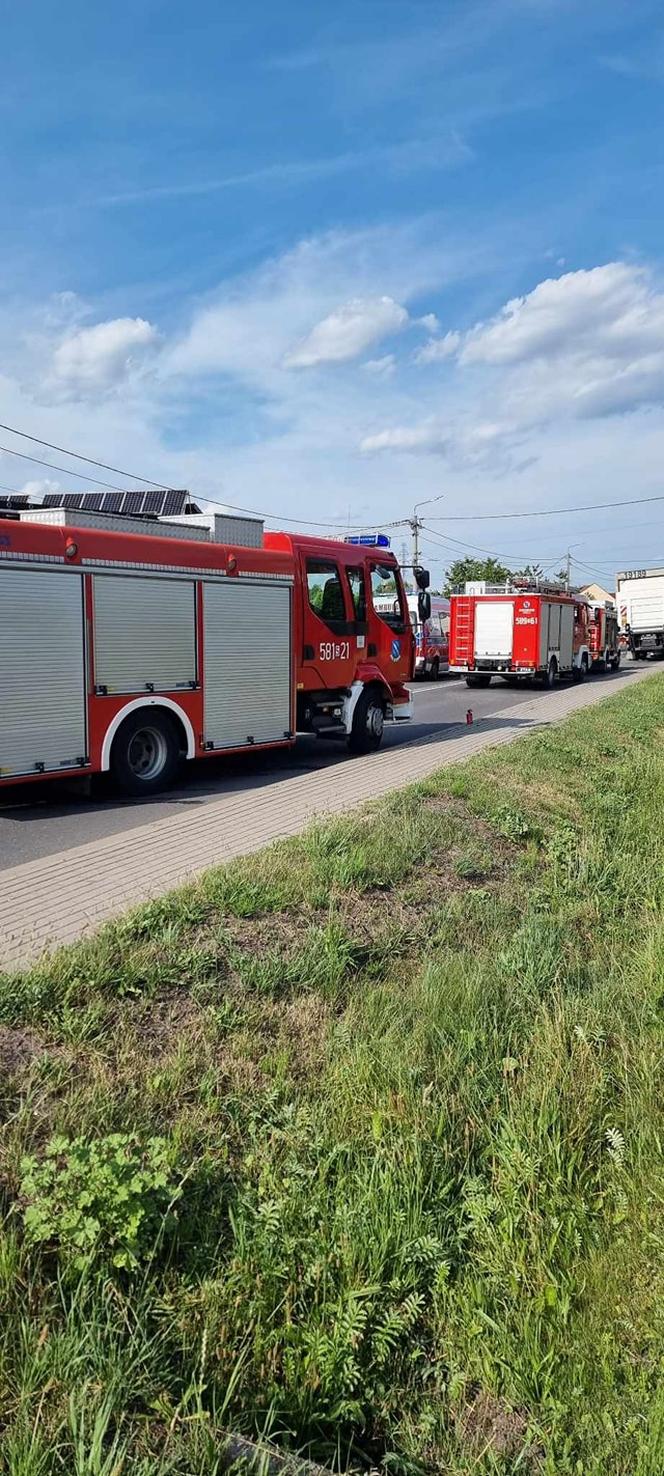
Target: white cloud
{"x": 254, "y": 322}
{"x": 584, "y": 309}
{"x": 93, "y": 360}
{"x": 589, "y": 343}
{"x": 439, "y": 348}
{"x": 445, "y": 151}
{"x": 39, "y": 487}
{"x": 382, "y": 368}
{"x": 424, "y": 437}
{"x": 464, "y": 445}
{"x": 348, "y": 332}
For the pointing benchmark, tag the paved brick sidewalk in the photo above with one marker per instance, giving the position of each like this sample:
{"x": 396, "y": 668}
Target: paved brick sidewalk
{"x": 56, "y": 899}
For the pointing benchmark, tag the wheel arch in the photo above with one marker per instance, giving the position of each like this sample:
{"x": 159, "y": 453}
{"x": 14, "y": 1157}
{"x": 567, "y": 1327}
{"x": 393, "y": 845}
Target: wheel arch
{"x": 150, "y": 704}
{"x": 360, "y": 686}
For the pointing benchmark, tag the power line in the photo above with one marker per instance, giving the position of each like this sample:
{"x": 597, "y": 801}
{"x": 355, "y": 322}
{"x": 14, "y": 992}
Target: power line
{"x": 66, "y": 470}
{"x": 474, "y": 548}
{"x": 548, "y": 512}
{"x": 276, "y": 517}
{"x": 133, "y": 476}
{"x": 69, "y": 472}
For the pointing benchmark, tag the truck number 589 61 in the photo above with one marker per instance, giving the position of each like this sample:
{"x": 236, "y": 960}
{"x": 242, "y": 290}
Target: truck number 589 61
{"x": 334, "y": 650}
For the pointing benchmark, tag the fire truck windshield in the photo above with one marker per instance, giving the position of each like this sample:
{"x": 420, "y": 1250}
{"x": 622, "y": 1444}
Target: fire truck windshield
{"x": 384, "y": 583}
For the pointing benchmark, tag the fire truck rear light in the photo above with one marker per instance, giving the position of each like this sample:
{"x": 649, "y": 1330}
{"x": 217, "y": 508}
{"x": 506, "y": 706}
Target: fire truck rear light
{"x": 71, "y": 550}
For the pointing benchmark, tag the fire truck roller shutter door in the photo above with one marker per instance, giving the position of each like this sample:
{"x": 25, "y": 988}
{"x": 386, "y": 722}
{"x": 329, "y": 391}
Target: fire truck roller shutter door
{"x": 145, "y": 633}
{"x": 247, "y": 634}
{"x": 494, "y": 629}
{"x": 42, "y": 678}
{"x": 566, "y": 635}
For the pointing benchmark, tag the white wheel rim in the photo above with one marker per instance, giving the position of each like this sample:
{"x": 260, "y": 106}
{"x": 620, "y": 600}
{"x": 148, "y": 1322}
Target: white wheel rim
{"x": 147, "y": 753}
{"x": 375, "y": 721}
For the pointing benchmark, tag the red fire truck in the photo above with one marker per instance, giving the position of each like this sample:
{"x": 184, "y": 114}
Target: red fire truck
{"x": 128, "y": 646}
{"x": 603, "y": 636}
{"x": 517, "y": 632}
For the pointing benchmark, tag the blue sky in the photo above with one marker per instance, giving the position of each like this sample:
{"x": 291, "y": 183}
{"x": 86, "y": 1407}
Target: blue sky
{"x": 327, "y": 261}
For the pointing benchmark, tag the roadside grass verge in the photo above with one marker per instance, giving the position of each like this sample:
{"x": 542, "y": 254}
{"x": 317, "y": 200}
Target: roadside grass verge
{"x": 357, "y": 1143}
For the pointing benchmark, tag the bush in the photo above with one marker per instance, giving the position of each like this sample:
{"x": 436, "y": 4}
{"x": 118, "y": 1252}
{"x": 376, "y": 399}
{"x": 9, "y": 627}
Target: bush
{"x": 106, "y": 1200}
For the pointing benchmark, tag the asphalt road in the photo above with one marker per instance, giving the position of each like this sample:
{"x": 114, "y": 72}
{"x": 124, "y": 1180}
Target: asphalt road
{"x": 42, "y": 820}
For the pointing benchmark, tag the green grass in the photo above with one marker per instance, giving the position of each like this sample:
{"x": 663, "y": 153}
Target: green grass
{"x": 406, "y": 1074}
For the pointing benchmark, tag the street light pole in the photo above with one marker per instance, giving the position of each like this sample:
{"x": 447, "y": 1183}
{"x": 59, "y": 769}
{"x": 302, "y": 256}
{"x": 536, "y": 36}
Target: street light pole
{"x": 416, "y": 523}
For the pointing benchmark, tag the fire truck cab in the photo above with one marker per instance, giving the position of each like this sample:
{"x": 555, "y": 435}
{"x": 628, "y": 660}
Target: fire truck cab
{"x": 353, "y": 637}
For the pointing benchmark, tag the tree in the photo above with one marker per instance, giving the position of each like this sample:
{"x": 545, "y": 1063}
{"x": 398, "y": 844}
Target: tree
{"x": 464, "y": 569}
{"x": 531, "y": 571}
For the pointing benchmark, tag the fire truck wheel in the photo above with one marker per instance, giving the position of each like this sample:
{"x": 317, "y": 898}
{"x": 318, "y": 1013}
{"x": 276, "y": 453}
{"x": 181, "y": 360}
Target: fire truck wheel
{"x": 435, "y": 669}
{"x": 368, "y": 722}
{"x": 478, "y": 679}
{"x": 145, "y": 756}
{"x": 579, "y": 673}
{"x": 551, "y": 673}
{"x": 615, "y": 661}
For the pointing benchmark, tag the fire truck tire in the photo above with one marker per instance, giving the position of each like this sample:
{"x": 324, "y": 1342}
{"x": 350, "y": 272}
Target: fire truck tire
{"x": 579, "y": 673}
{"x": 615, "y": 661}
{"x": 146, "y": 752}
{"x": 435, "y": 669}
{"x": 478, "y": 679}
{"x": 551, "y": 675}
{"x": 368, "y": 722}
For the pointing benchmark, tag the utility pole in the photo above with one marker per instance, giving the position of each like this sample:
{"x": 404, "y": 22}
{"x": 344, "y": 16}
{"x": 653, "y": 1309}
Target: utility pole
{"x": 416, "y": 523}
{"x": 568, "y": 570}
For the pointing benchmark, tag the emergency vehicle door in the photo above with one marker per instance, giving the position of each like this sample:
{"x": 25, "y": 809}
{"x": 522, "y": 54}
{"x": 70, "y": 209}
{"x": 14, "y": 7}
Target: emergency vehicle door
{"x": 391, "y": 638}
{"x": 330, "y": 643}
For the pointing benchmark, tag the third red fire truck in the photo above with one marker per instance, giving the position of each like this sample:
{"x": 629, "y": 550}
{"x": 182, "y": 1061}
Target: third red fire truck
{"x": 603, "y": 636}
{"x": 518, "y": 631}
{"x": 129, "y": 645}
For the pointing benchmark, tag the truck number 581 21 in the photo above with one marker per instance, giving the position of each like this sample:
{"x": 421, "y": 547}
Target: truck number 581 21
{"x": 334, "y": 650}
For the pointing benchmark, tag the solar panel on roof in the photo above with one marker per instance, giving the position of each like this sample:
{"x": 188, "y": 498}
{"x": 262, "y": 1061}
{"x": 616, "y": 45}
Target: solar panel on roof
{"x": 92, "y": 501}
{"x": 112, "y": 502}
{"x": 72, "y": 499}
{"x": 133, "y": 502}
{"x": 52, "y": 499}
{"x": 175, "y": 501}
{"x": 153, "y": 502}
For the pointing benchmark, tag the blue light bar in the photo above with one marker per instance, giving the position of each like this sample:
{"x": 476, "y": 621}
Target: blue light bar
{"x": 369, "y": 540}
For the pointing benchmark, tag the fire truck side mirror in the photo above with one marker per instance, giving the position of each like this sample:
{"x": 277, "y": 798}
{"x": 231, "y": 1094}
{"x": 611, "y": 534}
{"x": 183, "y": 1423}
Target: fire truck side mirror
{"x": 422, "y": 577}
{"x": 424, "y": 605}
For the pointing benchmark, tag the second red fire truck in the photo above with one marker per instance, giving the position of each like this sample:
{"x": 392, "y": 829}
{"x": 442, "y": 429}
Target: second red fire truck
{"x": 129, "y": 645}
{"x": 516, "y": 632}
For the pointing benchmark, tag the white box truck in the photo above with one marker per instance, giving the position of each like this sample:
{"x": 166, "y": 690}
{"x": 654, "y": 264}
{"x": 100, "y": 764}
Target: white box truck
{"x": 640, "y": 602}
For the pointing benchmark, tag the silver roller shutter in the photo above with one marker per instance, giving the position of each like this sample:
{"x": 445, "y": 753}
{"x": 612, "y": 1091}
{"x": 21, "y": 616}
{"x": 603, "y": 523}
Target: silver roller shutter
{"x": 42, "y": 672}
{"x": 494, "y": 621}
{"x": 247, "y": 663}
{"x": 145, "y": 633}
